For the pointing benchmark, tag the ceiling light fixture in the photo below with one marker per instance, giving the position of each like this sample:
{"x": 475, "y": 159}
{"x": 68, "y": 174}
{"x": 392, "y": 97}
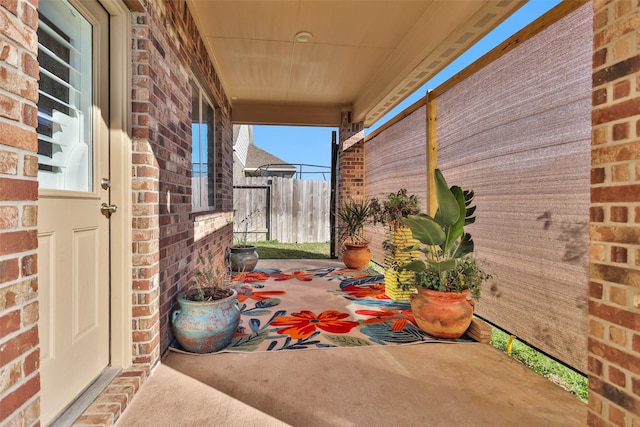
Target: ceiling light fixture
{"x": 303, "y": 37}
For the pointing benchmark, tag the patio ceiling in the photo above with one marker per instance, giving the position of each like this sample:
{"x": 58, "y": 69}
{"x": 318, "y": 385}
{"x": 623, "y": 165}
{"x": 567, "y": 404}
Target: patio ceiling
{"x": 363, "y": 56}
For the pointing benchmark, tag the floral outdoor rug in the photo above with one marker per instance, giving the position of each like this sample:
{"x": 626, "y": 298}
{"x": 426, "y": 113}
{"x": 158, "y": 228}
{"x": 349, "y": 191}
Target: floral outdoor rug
{"x": 317, "y": 308}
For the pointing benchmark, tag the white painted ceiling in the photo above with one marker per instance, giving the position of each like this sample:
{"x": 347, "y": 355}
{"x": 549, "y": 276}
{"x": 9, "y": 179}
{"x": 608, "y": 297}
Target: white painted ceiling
{"x": 364, "y": 56}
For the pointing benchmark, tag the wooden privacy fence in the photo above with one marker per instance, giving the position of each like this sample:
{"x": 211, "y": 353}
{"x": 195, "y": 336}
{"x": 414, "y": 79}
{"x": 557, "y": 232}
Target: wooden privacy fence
{"x": 283, "y": 209}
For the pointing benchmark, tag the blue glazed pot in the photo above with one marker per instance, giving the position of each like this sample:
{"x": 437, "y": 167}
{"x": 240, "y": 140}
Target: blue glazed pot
{"x": 205, "y": 327}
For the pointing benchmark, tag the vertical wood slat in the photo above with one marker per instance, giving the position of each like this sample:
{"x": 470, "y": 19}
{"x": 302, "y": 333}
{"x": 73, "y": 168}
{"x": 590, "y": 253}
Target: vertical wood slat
{"x": 299, "y": 209}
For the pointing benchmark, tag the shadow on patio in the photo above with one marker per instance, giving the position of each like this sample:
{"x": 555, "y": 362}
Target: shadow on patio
{"x": 449, "y": 384}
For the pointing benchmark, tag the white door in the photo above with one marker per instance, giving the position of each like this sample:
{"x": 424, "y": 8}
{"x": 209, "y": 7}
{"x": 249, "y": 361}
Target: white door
{"x": 73, "y": 234}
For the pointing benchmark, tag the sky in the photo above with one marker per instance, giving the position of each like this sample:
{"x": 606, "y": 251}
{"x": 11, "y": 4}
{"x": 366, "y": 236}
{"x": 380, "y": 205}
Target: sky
{"x": 312, "y": 145}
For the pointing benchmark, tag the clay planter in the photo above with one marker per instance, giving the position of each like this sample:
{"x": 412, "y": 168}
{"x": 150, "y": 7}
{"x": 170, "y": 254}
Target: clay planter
{"x": 442, "y": 314}
{"x": 205, "y": 327}
{"x": 243, "y": 258}
{"x": 356, "y": 255}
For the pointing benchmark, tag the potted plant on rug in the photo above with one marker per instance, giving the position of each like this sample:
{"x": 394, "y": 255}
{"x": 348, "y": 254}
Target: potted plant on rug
{"x": 447, "y": 275}
{"x": 208, "y": 314}
{"x": 243, "y": 257}
{"x": 354, "y": 215}
{"x": 390, "y": 212}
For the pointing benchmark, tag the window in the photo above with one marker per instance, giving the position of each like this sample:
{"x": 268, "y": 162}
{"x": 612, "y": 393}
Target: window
{"x": 203, "y": 150}
{"x": 65, "y": 158}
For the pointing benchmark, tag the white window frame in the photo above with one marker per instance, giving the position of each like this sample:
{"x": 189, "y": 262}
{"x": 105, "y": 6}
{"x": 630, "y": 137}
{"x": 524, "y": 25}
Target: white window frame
{"x": 204, "y": 198}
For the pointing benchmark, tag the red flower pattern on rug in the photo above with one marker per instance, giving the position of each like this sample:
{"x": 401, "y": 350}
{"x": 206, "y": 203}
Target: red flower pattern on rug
{"x": 247, "y": 292}
{"x": 371, "y": 291}
{"x": 303, "y": 324}
{"x": 399, "y": 318}
{"x": 303, "y": 276}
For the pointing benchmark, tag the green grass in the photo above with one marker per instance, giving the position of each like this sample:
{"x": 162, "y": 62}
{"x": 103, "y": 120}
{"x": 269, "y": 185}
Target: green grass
{"x": 565, "y": 377}
{"x": 561, "y": 375}
{"x": 273, "y": 249}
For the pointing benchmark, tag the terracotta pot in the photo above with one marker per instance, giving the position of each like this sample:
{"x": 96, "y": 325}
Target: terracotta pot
{"x": 243, "y": 258}
{"x": 442, "y": 314}
{"x": 205, "y": 327}
{"x": 356, "y": 255}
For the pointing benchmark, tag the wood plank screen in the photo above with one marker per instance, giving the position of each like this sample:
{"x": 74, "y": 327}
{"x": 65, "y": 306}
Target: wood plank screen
{"x": 284, "y": 209}
{"x": 518, "y": 133}
{"x": 396, "y": 158}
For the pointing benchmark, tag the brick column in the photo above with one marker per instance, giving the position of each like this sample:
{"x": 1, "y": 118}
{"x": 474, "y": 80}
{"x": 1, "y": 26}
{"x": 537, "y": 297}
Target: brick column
{"x": 350, "y": 164}
{"x": 614, "y": 287}
{"x": 19, "y": 342}
{"x": 350, "y": 159}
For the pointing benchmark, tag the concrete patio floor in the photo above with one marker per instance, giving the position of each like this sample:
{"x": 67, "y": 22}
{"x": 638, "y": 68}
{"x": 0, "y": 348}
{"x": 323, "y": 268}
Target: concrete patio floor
{"x": 430, "y": 384}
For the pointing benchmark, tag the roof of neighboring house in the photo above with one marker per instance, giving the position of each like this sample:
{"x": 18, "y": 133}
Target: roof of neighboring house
{"x": 257, "y": 157}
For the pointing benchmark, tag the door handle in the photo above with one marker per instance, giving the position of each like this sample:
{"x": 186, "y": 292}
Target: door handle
{"x": 108, "y": 210}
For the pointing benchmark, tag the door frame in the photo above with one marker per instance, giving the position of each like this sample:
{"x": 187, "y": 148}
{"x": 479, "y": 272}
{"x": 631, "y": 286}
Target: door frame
{"x": 120, "y": 174}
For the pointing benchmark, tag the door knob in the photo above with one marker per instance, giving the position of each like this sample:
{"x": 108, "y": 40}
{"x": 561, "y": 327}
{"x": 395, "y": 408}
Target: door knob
{"x": 108, "y": 210}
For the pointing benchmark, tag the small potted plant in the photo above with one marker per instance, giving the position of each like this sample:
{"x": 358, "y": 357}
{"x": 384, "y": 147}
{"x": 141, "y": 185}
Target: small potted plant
{"x": 243, "y": 257}
{"x": 390, "y": 212}
{"x": 354, "y": 215}
{"x": 447, "y": 275}
{"x": 208, "y": 315}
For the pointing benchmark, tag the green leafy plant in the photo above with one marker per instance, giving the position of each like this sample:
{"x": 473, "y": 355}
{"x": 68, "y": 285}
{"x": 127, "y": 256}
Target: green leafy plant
{"x": 447, "y": 263}
{"x": 209, "y": 281}
{"x": 354, "y": 215}
{"x": 392, "y": 210}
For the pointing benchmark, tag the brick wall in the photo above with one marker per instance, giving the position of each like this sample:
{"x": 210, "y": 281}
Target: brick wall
{"x": 19, "y": 345}
{"x": 614, "y": 288}
{"x": 349, "y": 167}
{"x": 166, "y": 51}
{"x": 351, "y": 159}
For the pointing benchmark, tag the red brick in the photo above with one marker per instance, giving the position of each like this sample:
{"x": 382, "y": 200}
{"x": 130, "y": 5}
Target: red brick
{"x": 18, "y": 189}
{"x": 30, "y": 314}
{"x": 31, "y": 362}
{"x": 620, "y": 131}
{"x": 618, "y": 295}
{"x": 595, "y": 366}
{"x": 621, "y": 89}
{"x": 615, "y": 274}
{"x": 9, "y": 107}
{"x": 19, "y": 345}
{"x": 14, "y": 136}
{"x": 615, "y": 395}
{"x": 30, "y": 114}
{"x": 9, "y": 269}
{"x": 596, "y": 214}
{"x": 594, "y": 420}
{"x": 9, "y": 323}
{"x": 617, "y": 377}
{"x": 29, "y": 265}
{"x": 10, "y": 5}
{"x": 616, "y": 194}
{"x": 18, "y": 241}
{"x": 599, "y": 96}
{"x": 619, "y": 111}
{"x": 616, "y": 416}
{"x": 619, "y": 254}
{"x": 615, "y": 356}
{"x": 29, "y": 15}
{"x": 20, "y": 396}
{"x": 595, "y": 290}
{"x": 597, "y": 175}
